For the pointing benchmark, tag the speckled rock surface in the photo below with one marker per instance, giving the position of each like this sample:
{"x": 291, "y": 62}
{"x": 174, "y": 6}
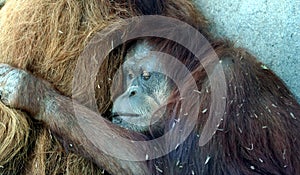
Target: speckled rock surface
{"x": 269, "y": 29}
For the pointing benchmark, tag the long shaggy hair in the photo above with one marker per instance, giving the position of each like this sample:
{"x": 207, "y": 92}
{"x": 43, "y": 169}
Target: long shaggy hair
{"x": 46, "y": 38}
{"x": 259, "y": 131}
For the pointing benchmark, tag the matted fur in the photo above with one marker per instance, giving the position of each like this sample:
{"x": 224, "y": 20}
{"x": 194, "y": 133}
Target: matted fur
{"x": 46, "y": 37}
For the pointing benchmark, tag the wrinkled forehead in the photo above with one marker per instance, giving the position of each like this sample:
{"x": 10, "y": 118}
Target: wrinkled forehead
{"x": 142, "y": 57}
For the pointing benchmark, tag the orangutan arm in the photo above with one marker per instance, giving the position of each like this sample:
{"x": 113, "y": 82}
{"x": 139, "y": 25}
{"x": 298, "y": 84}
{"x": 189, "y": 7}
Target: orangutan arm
{"x": 85, "y": 133}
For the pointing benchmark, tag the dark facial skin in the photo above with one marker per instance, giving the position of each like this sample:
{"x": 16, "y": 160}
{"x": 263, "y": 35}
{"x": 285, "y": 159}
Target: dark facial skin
{"x": 146, "y": 91}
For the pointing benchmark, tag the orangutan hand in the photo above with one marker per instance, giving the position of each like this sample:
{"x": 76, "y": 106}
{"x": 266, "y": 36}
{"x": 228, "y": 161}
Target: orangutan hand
{"x": 10, "y": 84}
{"x": 19, "y": 89}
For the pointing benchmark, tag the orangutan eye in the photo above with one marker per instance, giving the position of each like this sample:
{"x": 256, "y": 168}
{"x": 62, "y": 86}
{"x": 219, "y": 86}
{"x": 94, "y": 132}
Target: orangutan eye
{"x": 146, "y": 75}
{"x": 131, "y": 76}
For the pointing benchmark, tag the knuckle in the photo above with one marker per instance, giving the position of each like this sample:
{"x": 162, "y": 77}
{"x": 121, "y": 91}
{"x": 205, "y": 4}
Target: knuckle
{"x": 8, "y": 99}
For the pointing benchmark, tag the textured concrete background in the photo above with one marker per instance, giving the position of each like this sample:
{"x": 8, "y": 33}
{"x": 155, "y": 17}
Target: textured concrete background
{"x": 269, "y": 29}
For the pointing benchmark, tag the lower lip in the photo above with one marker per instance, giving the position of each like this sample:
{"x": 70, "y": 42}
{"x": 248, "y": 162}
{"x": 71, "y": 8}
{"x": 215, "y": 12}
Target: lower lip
{"x": 127, "y": 115}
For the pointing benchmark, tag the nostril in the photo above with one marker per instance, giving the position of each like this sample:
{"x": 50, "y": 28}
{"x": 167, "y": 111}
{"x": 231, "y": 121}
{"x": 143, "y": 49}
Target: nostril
{"x": 117, "y": 120}
{"x": 132, "y": 93}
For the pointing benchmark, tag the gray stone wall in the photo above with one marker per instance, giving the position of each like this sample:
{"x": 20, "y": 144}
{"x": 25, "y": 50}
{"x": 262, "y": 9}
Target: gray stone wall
{"x": 269, "y": 29}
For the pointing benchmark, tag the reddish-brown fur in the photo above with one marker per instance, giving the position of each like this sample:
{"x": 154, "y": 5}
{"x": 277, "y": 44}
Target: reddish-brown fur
{"x": 259, "y": 133}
